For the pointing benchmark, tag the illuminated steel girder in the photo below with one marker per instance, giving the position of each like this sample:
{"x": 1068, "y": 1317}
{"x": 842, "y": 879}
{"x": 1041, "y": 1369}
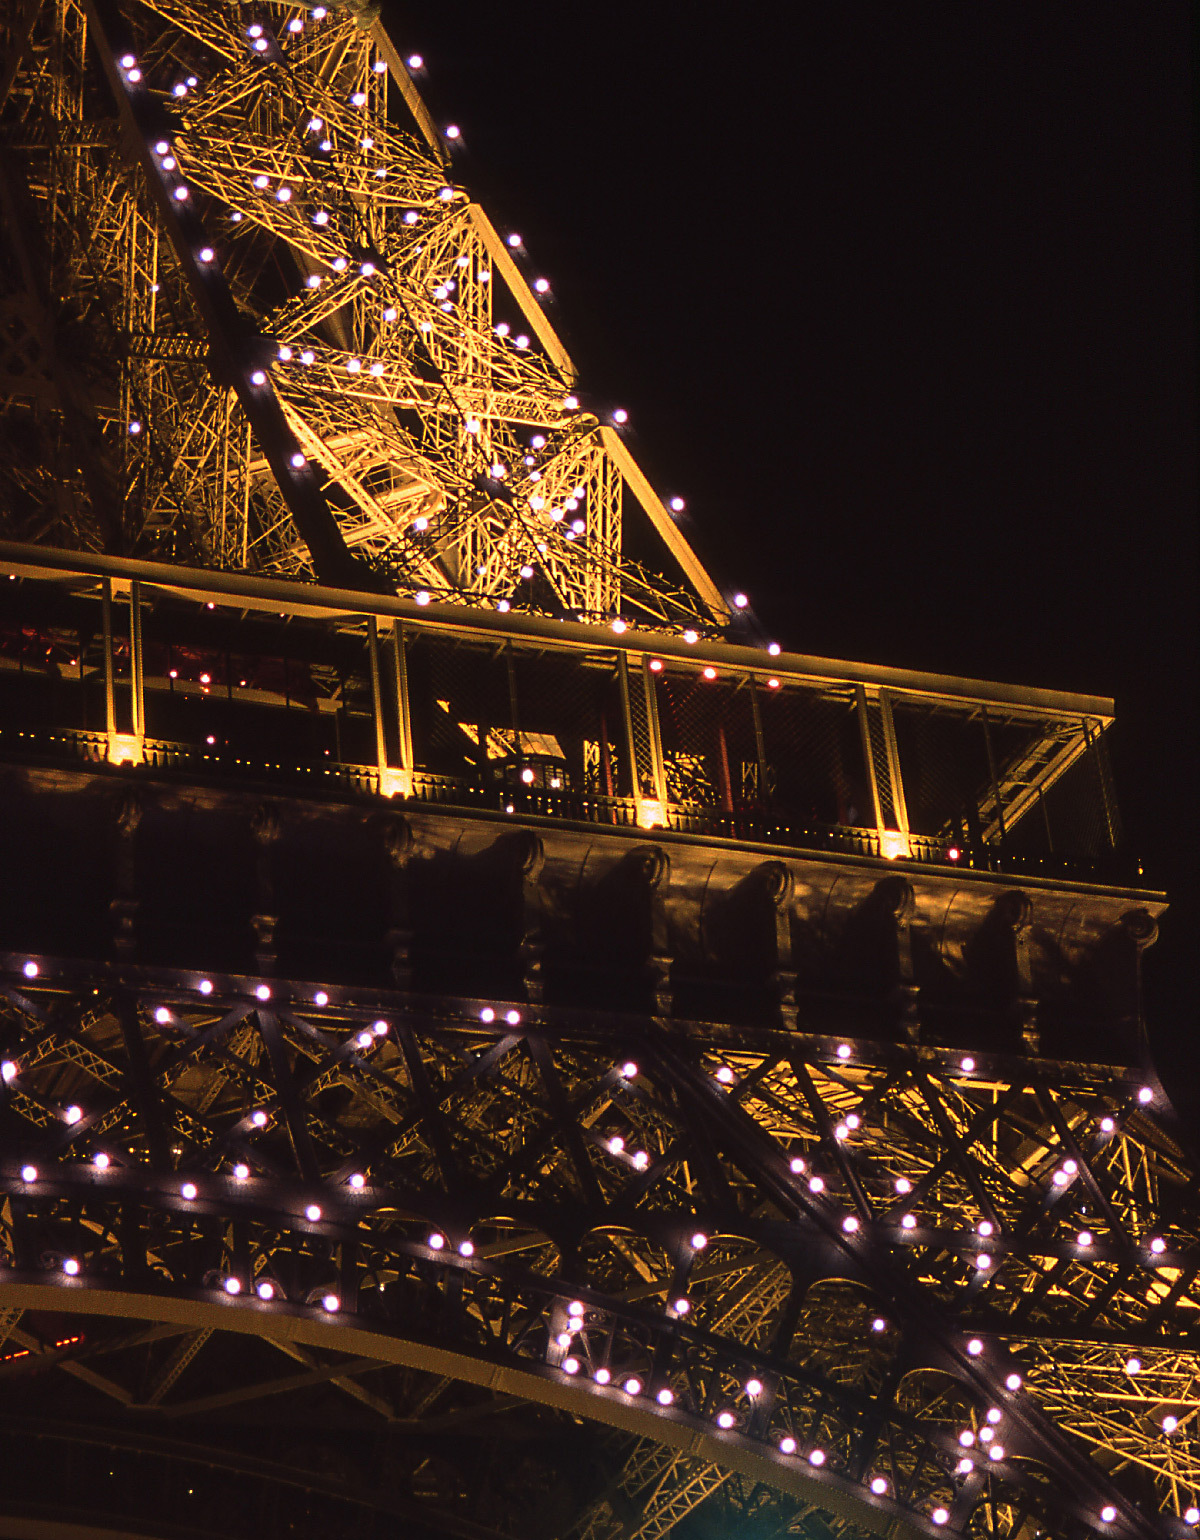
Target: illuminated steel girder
{"x": 770, "y": 1187}
{"x": 254, "y": 322}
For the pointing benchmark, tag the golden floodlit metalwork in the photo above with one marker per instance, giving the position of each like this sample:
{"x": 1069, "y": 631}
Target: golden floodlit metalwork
{"x": 487, "y": 1048}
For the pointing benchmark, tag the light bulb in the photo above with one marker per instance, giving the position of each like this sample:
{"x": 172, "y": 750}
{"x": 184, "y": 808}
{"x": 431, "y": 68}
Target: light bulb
{"x": 817, "y": 1457}
{"x": 436, "y": 1241}
{"x": 602, "y": 1376}
{"x": 312, "y": 1213}
{"x": 740, "y": 601}
{"x": 542, "y": 285}
{"x": 940, "y": 1515}
{"x": 258, "y": 378}
{"x": 70, "y": 1267}
{"x": 975, "y": 1347}
{"x": 878, "y": 1485}
{"x": 162, "y": 1015}
{"x": 879, "y": 1324}
{"x": 1108, "y": 1513}
{"x": 207, "y": 254}
{"x": 632, "y": 1386}
{"x": 725, "y": 1419}
{"x": 843, "y": 1050}
{"x": 358, "y": 1181}
{"x": 787, "y": 1445}
{"x": 415, "y": 61}
{"x": 1013, "y": 1382}
{"x": 8, "y": 1071}
{"x": 331, "y": 1303}
{"x": 968, "y": 1064}
{"x": 72, "y": 1114}
{"x": 514, "y": 240}
{"x": 1084, "y": 1238}
{"x": 263, "y": 992}
{"x": 188, "y": 1191}
{"x": 1145, "y": 1095}
{"x": 453, "y": 131}
{"x": 233, "y": 1285}
{"x": 620, "y": 415}
{"x": 908, "y": 1221}
{"x": 816, "y": 1184}
{"x": 466, "y": 1248}
{"x": 570, "y": 1365}
{"x": 29, "y": 1173}
{"x": 699, "y": 1241}
{"x": 298, "y": 461}
{"x": 513, "y": 1018}
{"x": 320, "y": 998}
{"x": 754, "y": 1388}
{"x": 241, "y": 1171}
{"x": 850, "y": 1224}
{"x": 677, "y": 505}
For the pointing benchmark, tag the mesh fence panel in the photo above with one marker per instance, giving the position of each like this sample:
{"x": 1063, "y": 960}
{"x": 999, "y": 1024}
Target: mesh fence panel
{"x": 1074, "y": 811}
{"x": 459, "y": 701}
{"x": 709, "y": 744}
{"x": 944, "y": 766}
{"x": 814, "y": 760}
{"x": 569, "y": 707}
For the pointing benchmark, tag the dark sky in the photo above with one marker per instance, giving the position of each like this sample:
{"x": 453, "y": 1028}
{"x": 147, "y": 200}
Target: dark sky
{"x": 901, "y": 298}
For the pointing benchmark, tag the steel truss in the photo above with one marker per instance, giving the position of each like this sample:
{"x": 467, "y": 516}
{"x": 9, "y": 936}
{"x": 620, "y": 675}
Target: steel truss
{"x": 254, "y": 323}
{"x": 743, "y": 1249}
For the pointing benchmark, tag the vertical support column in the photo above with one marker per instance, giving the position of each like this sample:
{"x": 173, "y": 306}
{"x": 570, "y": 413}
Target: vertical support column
{"x": 864, "y": 726}
{"x": 110, "y": 691}
{"x": 123, "y": 748}
{"x": 381, "y": 754}
{"x": 657, "y": 765}
{"x": 392, "y": 782}
{"x": 760, "y": 745}
{"x": 899, "y": 806}
{"x": 991, "y": 759}
{"x": 135, "y": 647}
{"x": 403, "y": 714}
{"x": 649, "y": 802}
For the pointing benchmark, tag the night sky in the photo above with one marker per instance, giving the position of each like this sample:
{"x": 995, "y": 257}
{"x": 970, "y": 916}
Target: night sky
{"x": 901, "y": 299}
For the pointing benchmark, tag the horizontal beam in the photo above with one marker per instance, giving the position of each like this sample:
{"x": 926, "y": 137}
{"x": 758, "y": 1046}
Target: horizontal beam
{"x": 824, "y": 1488}
{"x": 305, "y": 599}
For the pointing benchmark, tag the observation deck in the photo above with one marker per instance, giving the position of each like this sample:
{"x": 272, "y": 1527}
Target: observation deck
{"x": 225, "y": 677}
{"x": 264, "y": 778}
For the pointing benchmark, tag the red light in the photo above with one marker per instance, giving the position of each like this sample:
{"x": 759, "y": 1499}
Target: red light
{"x": 953, "y": 853}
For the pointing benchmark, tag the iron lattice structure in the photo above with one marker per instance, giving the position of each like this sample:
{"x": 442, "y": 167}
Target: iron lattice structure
{"x": 518, "y": 1025}
{"x": 741, "y": 1252}
{"x": 251, "y": 322}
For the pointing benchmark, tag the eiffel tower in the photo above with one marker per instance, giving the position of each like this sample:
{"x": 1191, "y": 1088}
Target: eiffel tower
{"x": 487, "y": 1047}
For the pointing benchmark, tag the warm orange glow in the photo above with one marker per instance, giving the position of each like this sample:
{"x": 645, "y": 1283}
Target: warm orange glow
{"x": 893, "y": 844}
{"x": 125, "y": 749}
{"x": 651, "y": 814}
{"x": 395, "y": 783}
